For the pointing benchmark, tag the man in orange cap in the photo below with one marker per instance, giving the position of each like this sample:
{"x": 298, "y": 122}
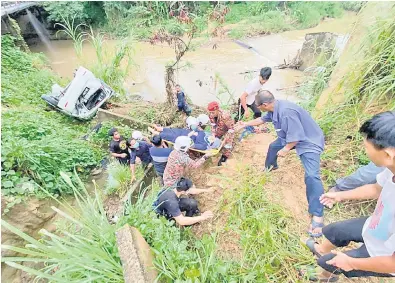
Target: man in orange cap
{"x": 222, "y": 126}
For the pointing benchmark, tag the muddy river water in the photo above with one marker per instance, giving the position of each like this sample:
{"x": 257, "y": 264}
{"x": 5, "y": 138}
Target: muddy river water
{"x": 228, "y": 60}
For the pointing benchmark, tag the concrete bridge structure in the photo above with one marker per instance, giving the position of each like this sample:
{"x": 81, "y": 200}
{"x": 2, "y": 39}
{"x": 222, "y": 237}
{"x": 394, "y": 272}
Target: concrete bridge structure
{"x": 10, "y": 7}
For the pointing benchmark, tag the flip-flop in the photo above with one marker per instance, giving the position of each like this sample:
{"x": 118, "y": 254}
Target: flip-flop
{"x": 313, "y": 277}
{"x": 310, "y": 244}
{"x": 315, "y": 224}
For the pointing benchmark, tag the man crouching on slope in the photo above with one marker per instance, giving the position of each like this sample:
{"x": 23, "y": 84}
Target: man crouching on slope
{"x": 376, "y": 256}
{"x": 170, "y": 204}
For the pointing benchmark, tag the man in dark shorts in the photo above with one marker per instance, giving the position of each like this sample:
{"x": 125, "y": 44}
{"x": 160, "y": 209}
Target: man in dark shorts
{"x": 170, "y": 204}
{"x": 376, "y": 256}
{"x": 119, "y": 147}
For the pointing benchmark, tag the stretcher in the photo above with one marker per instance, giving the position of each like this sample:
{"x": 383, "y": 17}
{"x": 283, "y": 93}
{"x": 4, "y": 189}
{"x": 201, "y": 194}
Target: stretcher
{"x": 209, "y": 151}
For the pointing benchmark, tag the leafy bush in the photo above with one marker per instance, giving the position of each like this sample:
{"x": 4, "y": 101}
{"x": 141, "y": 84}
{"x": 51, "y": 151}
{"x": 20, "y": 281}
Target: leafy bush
{"x": 354, "y": 6}
{"x": 309, "y": 14}
{"x": 37, "y": 145}
{"x": 91, "y": 12}
{"x": 83, "y": 249}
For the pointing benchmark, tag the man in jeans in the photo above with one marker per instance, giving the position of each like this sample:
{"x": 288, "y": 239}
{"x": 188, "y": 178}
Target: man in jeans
{"x": 376, "y": 257}
{"x": 364, "y": 175}
{"x": 295, "y": 129}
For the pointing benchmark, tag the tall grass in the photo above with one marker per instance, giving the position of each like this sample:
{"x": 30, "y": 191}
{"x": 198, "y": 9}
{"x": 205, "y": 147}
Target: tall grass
{"x": 271, "y": 250}
{"x": 119, "y": 177}
{"x": 373, "y": 78}
{"x": 74, "y": 32}
{"x": 83, "y": 250}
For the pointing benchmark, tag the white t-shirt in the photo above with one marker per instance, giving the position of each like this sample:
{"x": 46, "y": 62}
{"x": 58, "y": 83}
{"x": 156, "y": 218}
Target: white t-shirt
{"x": 252, "y": 89}
{"x": 379, "y": 229}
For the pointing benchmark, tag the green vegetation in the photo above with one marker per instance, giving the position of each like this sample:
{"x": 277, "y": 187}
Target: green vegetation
{"x": 143, "y": 19}
{"x": 89, "y": 12}
{"x": 36, "y": 144}
{"x": 119, "y": 177}
{"x": 82, "y": 250}
{"x": 271, "y": 251}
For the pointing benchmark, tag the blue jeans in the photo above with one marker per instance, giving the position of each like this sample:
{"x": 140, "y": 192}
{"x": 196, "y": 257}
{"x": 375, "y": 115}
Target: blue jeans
{"x": 312, "y": 179}
{"x": 363, "y": 176}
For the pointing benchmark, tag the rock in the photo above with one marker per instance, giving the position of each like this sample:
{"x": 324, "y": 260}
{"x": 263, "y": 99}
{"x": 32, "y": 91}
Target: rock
{"x": 314, "y": 46}
{"x": 136, "y": 256}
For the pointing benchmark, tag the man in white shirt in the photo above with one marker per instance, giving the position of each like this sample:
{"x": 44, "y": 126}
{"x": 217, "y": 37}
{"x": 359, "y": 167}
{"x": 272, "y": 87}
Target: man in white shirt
{"x": 247, "y": 99}
{"x": 376, "y": 256}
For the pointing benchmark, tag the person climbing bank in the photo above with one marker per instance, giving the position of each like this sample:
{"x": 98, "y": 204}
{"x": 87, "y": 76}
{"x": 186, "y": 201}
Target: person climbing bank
{"x": 295, "y": 129}
{"x": 179, "y": 160}
{"x": 170, "y": 204}
{"x": 139, "y": 149}
{"x": 119, "y": 147}
{"x": 247, "y": 99}
{"x": 222, "y": 127}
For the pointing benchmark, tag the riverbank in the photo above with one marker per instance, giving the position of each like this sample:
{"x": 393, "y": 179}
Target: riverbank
{"x": 208, "y": 67}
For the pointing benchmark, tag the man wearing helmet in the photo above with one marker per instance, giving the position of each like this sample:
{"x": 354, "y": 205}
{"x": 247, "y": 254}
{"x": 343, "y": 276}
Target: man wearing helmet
{"x": 203, "y": 121}
{"x": 170, "y": 204}
{"x": 222, "y": 127}
{"x": 179, "y": 160}
{"x": 137, "y": 135}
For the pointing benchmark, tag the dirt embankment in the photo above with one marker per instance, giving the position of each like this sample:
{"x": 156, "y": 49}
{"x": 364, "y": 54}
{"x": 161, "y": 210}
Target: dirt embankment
{"x": 286, "y": 183}
{"x": 286, "y": 186}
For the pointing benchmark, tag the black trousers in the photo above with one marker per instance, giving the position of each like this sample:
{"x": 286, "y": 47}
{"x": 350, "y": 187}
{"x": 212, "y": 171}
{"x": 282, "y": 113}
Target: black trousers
{"x": 253, "y": 107}
{"x": 341, "y": 234}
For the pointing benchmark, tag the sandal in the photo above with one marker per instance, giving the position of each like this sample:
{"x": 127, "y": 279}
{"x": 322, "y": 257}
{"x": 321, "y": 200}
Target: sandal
{"x": 314, "y": 225}
{"x": 310, "y": 244}
{"x": 311, "y": 275}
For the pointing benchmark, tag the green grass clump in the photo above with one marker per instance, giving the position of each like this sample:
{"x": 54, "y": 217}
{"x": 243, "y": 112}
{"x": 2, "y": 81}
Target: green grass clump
{"x": 83, "y": 249}
{"x": 119, "y": 177}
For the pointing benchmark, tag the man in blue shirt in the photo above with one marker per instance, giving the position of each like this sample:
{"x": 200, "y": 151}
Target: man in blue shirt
{"x": 138, "y": 149}
{"x": 159, "y": 153}
{"x": 295, "y": 129}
